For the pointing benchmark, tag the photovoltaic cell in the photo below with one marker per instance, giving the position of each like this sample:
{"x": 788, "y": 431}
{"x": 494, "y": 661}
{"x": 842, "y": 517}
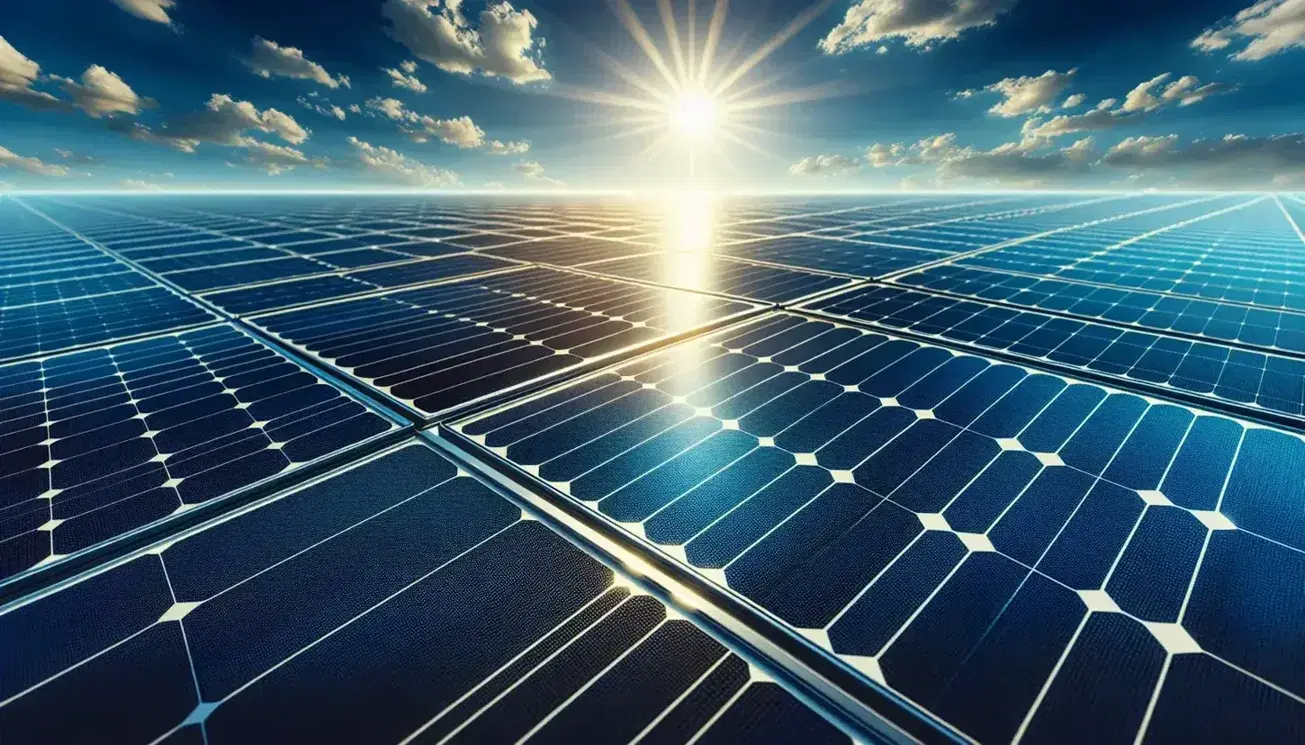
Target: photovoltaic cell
{"x": 1018, "y": 554}
{"x": 272, "y": 296}
{"x": 438, "y": 347}
{"x": 696, "y": 271}
{"x": 100, "y": 442}
{"x": 1016, "y": 551}
{"x": 95, "y": 319}
{"x": 473, "y": 624}
{"x": 1270, "y": 381}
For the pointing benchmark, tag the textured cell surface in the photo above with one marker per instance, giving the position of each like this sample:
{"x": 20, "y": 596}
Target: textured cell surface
{"x": 992, "y": 468}
{"x": 101, "y": 442}
{"x": 474, "y": 624}
{"x": 1022, "y": 555}
{"x": 436, "y": 348}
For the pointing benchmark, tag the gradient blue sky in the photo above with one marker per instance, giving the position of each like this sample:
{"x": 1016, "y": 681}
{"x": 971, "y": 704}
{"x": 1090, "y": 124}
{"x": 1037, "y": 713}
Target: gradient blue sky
{"x": 109, "y": 94}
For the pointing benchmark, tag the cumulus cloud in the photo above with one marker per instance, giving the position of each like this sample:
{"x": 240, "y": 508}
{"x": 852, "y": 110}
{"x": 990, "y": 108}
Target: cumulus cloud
{"x": 1231, "y": 160}
{"x": 1184, "y": 91}
{"x": 920, "y": 23}
{"x": 276, "y": 159}
{"x": 400, "y": 80}
{"x": 394, "y": 166}
{"x": 34, "y": 166}
{"x": 1026, "y": 94}
{"x": 17, "y": 76}
{"x": 501, "y": 45}
{"x": 1262, "y": 30}
{"x": 495, "y": 147}
{"x": 1074, "y": 101}
{"x": 460, "y": 132}
{"x": 101, "y": 93}
{"x": 882, "y": 156}
{"x": 316, "y": 102}
{"x": 149, "y": 10}
{"x": 80, "y": 159}
{"x": 267, "y": 59}
{"x": 1016, "y": 164}
{"x": 533, "y": 171}
{"x": 825, "y": 165}
{"x": 139, "y": 185}
{"x": 1147, "y": 97}
{"x": 227, "y": 122}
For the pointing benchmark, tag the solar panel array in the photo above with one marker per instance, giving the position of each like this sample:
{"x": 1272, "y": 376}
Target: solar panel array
{"x": 1005, "y": 468}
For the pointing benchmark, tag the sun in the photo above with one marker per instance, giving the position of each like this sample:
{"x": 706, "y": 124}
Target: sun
{"x": 694, "y": 115}
{"x": 693, "y": 98}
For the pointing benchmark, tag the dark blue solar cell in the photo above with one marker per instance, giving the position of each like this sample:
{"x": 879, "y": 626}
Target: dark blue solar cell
{"x": 53, "y": 327}
{"x": 931, "y": 592}
{"x": 131, "y": 434}
{"x": 442, "y": 346}
{"x": 470, "y": 622}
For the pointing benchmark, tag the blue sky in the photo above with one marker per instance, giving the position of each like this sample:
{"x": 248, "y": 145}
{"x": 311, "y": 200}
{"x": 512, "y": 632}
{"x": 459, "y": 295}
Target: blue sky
{"x": 860, "y": 94}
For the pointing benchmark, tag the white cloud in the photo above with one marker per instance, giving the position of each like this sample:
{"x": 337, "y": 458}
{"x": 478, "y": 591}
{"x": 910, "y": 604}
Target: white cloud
{"x": 882, "y": 156}
{"x": 276, "y": 159}
{"x": 355, "y": 109}
{"x": 1184, "y": 91}
{"x": 17, "y": 76}
{"x": 149, "y": 10}
{"x": 408, "y": 66}
{"x": 10, "y": 159}
{"x": 533, "y": 171}
{"x": 395, "y": 166}
{"x": 139, "y": 185}
{"x": 1146, "y": 98}
{"x": 400, "y": 80}
{"x": 1026, "y": 94}
{"x": 1019, "y": 165}
{"x": 70, "y": 157}
{"x": 825, "y": 165}
{"x": 495, "y": 186}
{"x": 502, "y": 45}
{"x": 1267, "y": 28}
{"x": 314, "y": 102}
{"x": 223, "y": 121}
{"x": 102, "y": 93}
{"x": 460, "y": 132}
{"x": 1231, "y": 160}
{"x": 1074, "y": 101}
{"x": 920, "y": 23}
{"x": 267, "y": 58}
{"x": 495, "y": 147}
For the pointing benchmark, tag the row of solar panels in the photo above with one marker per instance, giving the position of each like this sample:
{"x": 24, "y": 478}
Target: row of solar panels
{"x": 955, "y": 511}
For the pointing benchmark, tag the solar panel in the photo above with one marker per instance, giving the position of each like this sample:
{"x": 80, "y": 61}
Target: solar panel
{"x": 102, "y": 442}
{"x": 984, "y": 539}
{"x": 441, "y": 347}
{"x": 1197, "y": 365}
{"x": 475, "y": 624}
{"x": 692, "y": 271}
{"x": 990, "y": 468}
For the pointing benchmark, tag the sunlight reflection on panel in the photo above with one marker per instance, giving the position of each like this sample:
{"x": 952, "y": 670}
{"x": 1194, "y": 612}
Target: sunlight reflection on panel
{"x": 690, "y": 233}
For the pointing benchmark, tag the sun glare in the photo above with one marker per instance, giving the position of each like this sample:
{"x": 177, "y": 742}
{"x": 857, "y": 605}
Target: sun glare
{"x": 694, "y": 115}
{"x": 692, "y": 97}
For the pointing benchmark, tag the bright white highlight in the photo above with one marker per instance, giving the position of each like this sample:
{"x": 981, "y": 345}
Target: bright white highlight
{"x": 694, "y": 115}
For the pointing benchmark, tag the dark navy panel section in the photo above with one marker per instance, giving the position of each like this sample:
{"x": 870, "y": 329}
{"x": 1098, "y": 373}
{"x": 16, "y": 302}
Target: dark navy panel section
{"x": 1258, "y": 379}
{"x": 51, "y": 327}
{"x": 976, "y": 536}
{"x": 438, "y": 347}
{"x": 691, "y": 271}
{"x": 399, "y": 600}
{"x": 100, "y": 442}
